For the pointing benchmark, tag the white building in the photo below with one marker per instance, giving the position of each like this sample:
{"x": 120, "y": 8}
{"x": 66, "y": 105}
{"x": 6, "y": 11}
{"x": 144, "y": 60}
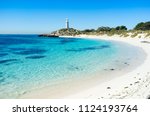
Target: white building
{"x": 67, "y": 23}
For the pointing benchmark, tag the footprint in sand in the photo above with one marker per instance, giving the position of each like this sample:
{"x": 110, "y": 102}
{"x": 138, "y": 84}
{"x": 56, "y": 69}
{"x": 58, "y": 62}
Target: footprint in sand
{"x": 136, "y": 82}
{"x": 108, "y": 87}
{"x": 126, "y": 87}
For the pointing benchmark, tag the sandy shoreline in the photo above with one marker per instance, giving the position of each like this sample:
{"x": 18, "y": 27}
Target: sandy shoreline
{"x": 135, "y": 84}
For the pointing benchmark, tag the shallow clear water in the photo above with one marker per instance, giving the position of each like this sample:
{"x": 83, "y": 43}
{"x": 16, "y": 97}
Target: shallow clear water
{"x": 28, "y": 62}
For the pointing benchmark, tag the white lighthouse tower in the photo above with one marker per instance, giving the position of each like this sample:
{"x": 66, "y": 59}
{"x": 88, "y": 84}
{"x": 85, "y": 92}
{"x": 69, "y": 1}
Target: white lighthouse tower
{"x": 67, "y": 24}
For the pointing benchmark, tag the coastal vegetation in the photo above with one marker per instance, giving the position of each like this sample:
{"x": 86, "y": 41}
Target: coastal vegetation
{"x": 143, "y": 26}
{"x": 65, "y": 31}
{"x": 140, "y": 30}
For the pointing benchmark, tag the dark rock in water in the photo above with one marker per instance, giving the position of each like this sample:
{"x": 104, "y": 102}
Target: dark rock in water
{"x": 7, "y": 61}
{"x": 89, "y": 48}
{"x": 15, "y": 41}
{"x": 3, "y": 54}
{"x": 64, "y": 41}
{"x": 35, "y": 57}
{"x": 48, "y": 35}
{"x": 17, "y": 49}
{"x": 30, "y": 51}
{"x": 2, "y": 48}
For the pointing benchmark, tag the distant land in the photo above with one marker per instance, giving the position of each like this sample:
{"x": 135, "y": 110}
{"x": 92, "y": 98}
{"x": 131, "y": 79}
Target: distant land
{"x": 122, "y": 31}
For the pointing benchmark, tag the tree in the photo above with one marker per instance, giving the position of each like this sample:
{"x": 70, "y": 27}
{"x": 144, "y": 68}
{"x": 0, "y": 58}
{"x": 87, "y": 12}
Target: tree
{"x": 142, "y": 26}
{"x": 103, "y": 29}
{"x": 121, "y": 27}
{"x": 88, "y": 30}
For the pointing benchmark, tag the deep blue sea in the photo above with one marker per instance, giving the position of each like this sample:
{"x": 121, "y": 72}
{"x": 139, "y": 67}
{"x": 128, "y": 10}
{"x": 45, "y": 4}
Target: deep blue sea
{"x": 28, "y": 62}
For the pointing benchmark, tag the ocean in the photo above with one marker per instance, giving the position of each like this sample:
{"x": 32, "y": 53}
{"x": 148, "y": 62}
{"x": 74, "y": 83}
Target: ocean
{"x": 29, "y": 62}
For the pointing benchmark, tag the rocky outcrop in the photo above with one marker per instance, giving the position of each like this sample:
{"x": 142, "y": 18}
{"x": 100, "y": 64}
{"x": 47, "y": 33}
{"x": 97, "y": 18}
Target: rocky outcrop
{"x": 48, "y": 35}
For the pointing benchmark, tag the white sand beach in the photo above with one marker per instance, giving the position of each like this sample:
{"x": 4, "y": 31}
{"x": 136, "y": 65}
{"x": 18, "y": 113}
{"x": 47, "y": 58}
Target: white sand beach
{"x": 135, "y": 84}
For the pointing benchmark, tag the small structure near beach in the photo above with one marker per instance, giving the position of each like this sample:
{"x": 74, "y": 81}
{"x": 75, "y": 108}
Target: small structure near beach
{"x": 67, "y": 24}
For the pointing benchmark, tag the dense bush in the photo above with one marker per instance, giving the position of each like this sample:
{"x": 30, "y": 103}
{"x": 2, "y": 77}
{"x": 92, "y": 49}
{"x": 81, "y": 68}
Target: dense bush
{"x": 88, "y": 30}
{"x": 121, "y": 28}
{"x": 65, "y": 31}
{"x": 104, "y": 29}
{"x": 142, "y": 26}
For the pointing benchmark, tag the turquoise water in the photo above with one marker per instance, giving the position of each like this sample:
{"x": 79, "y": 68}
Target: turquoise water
{"x": 28, "y": 62}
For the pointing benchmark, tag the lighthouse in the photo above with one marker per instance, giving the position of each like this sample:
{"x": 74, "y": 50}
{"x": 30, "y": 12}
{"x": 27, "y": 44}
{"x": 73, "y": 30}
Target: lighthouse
{"x": 67, "y": 24}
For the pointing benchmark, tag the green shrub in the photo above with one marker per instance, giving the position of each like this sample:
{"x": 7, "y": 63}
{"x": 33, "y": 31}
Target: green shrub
{"x": 142, "y": 26}
{"x": 134, "y": 35}
{"x": 148, "y": 35}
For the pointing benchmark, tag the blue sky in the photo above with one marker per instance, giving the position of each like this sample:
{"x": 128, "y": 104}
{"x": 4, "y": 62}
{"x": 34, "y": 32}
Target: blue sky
{"x": 43, "y": 16}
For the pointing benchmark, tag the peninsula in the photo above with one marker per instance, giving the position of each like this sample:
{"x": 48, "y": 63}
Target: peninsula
{"x": 141, "y": 30}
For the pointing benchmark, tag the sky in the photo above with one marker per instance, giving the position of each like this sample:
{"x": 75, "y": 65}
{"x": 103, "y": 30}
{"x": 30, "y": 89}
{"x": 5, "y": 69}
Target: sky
{"x": 44, "y": 16}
